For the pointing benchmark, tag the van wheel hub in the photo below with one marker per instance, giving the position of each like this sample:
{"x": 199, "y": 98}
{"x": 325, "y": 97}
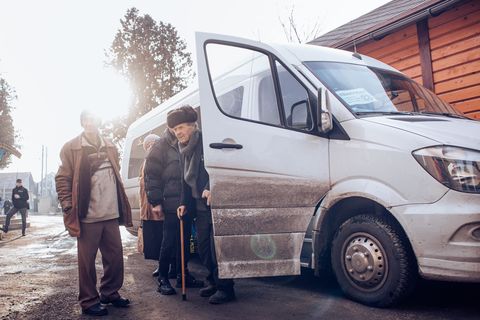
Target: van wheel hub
{"x": 365, "y": 263}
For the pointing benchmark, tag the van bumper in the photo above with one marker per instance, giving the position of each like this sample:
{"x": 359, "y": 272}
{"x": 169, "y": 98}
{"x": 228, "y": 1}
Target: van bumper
{"x": 445, "y": 236}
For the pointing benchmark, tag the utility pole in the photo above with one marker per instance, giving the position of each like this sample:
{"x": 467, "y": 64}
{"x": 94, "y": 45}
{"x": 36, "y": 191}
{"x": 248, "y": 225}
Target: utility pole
{"x": 46, "y": 166}
{"x": 41, "y": 176}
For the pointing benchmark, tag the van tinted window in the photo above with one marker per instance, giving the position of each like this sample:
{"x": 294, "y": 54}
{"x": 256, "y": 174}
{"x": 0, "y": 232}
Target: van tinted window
{"x": 137, "y": 154}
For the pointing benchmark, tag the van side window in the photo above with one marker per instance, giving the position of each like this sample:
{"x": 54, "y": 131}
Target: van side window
{"x": 137, "y": 154}
{"x": 243, "y": 83}
{"x": 295, "y": 100}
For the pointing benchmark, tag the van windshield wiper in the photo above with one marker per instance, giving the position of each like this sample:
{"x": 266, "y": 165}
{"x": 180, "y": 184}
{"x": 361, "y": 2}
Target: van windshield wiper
{"x": 382, "y": 113}
{"x": 446, "y": 114}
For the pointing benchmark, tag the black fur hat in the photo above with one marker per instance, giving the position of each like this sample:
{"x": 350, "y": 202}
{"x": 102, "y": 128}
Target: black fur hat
{"x": 184, "y": 114}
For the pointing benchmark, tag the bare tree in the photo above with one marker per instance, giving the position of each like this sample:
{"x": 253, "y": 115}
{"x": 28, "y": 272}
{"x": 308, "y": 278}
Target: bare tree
{"x": 299, "y": 33}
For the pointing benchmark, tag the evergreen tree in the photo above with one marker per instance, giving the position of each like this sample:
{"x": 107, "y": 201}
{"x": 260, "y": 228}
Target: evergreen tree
{"x": 154, "y": 59}
{"x": 7, "y": 130}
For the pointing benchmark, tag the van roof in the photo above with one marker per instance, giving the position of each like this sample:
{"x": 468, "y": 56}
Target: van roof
{"x": 173, "y": 101}
{"x": 308, "y": 52}
{"x": 303, "y": 52}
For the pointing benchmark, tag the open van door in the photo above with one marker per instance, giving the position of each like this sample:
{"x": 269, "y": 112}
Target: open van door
{"x": 268, "y": 167}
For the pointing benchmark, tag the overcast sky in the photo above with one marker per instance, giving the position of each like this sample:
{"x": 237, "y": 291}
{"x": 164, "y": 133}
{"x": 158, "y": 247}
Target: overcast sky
{"x": 52, "y": 53}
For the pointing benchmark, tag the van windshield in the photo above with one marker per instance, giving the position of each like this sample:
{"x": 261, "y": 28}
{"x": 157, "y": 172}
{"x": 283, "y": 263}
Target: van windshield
{"x": 372, "y": 91}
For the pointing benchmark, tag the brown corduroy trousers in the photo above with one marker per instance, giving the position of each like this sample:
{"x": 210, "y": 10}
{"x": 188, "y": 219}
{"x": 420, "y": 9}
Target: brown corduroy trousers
{"x": 104, "y": 235}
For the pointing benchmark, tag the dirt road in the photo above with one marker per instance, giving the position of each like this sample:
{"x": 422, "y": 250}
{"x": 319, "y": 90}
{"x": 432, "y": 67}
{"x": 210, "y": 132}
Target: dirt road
{"x": 38, "y": 280}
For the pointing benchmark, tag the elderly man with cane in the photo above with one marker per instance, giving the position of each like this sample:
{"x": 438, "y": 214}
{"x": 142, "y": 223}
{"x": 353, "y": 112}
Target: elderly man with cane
{"x": 196, "y": 187}
{"x": 163, "y": 185}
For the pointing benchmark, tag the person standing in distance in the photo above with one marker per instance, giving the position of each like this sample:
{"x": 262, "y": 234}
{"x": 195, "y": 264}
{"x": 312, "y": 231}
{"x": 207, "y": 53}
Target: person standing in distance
{"x": 20, "y": 199}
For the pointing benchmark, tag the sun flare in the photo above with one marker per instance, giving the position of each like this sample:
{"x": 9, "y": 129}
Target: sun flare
{"x": 113, "y": 98}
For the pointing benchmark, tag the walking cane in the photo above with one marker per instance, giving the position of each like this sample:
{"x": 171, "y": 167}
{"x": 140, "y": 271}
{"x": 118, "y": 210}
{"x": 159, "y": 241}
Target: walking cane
{"x": 182, "y": 255}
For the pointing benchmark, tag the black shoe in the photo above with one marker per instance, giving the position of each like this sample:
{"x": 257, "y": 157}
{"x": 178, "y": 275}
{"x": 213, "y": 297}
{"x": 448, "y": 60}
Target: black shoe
{"x": 208, "y": 291}
{"x": 118, "y": 303}
{"x": 96, "y": 310}
{"x": 190, "y": 281}
{"x": 156, "y": 273}
{"x": 222, "y": 296}
{"x": 166, "y": 288}
{"x": 4, "y": 229}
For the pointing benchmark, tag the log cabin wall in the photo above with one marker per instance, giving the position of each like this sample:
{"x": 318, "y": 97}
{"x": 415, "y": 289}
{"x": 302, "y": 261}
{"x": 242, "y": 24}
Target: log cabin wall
{"x": 442, "y": 53}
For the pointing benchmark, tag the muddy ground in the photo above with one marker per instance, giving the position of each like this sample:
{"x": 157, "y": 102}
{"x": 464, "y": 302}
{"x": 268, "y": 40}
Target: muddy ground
{"x": 38, "y": 280}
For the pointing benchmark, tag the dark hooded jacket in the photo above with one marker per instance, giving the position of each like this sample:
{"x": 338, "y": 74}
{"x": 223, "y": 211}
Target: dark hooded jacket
{"x": 22, "y": 201}
{"x": 163, "y": 174}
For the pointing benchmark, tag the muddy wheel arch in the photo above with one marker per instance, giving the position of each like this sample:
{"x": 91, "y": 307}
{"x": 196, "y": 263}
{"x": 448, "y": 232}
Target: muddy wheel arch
{"x": 327, "y": 222}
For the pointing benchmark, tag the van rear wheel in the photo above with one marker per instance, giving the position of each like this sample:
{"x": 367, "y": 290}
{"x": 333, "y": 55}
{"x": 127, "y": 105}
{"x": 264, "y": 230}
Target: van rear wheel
{"x": 372, "y": 261}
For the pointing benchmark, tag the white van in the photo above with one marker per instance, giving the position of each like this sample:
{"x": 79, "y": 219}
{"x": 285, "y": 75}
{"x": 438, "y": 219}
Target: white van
{"x": 329, "y": 160}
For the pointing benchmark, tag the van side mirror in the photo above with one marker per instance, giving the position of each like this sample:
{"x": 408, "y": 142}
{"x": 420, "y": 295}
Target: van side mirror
{"x": 324, "y": 116}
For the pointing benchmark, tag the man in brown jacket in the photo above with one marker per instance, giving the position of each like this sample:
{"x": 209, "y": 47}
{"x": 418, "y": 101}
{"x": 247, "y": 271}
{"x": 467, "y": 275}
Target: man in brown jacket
{"x": 94, "y": 203}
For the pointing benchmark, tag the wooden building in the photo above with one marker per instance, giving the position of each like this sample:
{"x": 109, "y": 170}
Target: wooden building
{"x": 435, "y": 42}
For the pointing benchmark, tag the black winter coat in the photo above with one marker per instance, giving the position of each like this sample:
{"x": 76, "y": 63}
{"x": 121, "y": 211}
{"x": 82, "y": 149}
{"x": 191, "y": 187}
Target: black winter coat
{"x": 163, "y": 174}
{"x": 22, "y": 201}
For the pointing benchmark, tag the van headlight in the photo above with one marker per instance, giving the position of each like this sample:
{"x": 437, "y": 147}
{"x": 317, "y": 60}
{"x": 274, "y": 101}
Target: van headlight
{"x": 455, "y": 167}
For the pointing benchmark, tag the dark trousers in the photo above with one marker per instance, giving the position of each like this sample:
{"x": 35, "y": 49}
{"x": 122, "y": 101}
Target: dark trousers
{"x": 171, "y": 244}
{"x": 11, "y": 213}
{"x": 152, "y": 238}
{"x": 206, "y": 250}
{"x": 104, "y": 235}
{"x": 6, "y": 209}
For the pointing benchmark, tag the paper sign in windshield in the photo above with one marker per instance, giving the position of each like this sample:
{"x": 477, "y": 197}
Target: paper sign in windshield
{"x": 356, "y": 96}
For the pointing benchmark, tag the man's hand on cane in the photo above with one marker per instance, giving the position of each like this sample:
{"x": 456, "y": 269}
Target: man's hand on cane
{"x": 181, "y": 211}
{"x": 207, "y": 195}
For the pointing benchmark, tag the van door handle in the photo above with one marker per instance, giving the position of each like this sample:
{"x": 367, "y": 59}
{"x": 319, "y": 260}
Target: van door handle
{"x": 226, "y": 146}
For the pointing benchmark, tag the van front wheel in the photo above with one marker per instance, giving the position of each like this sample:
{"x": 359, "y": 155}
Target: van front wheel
{"x": 372, "y": 261}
